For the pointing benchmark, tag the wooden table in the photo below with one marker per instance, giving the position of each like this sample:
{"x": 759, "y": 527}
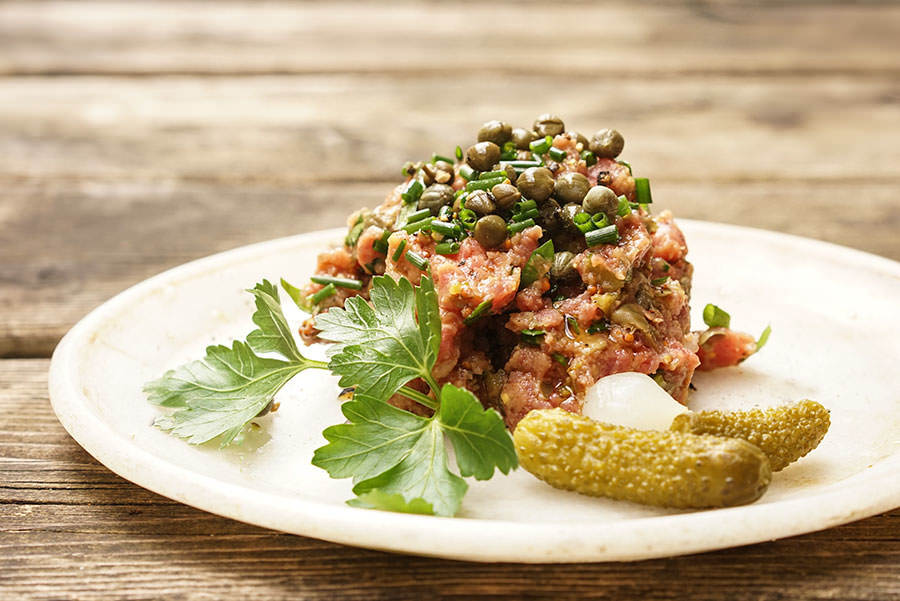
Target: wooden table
{"x": 135, "y": 136}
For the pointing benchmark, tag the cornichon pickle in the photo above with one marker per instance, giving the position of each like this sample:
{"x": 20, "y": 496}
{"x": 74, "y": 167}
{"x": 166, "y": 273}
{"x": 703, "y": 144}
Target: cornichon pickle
{"x": 668, "y": 469}
{"x": 784, "y": 434}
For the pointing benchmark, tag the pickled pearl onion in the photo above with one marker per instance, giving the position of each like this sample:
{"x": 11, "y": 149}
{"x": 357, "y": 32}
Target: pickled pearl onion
{"x": 631, "y": 399}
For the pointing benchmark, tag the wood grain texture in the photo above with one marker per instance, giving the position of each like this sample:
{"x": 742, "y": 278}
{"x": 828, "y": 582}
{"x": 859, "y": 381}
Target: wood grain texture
{"x": 138, "y": 135}
{"x": 662, "y": 39}
{"x": 98, "y": 238}
{"x": 72, "y": 530}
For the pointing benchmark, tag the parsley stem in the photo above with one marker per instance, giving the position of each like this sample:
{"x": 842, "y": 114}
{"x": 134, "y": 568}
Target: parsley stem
{"x": 418, "y": 397}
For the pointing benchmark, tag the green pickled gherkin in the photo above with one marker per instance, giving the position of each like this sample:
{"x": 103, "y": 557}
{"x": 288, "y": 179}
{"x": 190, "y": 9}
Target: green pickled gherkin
{"x": 784, "y": 434}
{"x": 667, "y": 469}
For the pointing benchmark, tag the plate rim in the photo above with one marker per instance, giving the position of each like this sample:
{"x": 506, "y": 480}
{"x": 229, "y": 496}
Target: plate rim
{"x": 498, "y": 540}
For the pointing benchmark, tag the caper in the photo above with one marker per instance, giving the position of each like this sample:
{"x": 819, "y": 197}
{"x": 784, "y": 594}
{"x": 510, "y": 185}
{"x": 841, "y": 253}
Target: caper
{"x": 495, "y": 131}
{"x": 506, "y": 195}
{"x": 571, "y": 187}
{"x": 601, "y": 199}
{"x": 483, "y": 156}
{"x": 549, "y": 125}
{"x": 548, "y": 215}
{"x": 523, "y": 137}
{"x": 562, "y": 268}
{"x": 480, "y": 202}
{"x": 436, "y": 196}
{"x": 536, "y": 183}
{"x": 607, "y": 144}
{"x": 490, "y": 231}
{"x": 580, "y": 139}
{"x": 567, "y": 213}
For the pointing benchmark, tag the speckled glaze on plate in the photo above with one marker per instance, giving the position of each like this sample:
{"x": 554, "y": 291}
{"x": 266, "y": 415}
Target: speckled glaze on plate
{"x": 835, "y": 339}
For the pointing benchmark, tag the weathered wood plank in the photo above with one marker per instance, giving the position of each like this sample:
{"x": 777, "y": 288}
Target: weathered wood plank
{"x": 97, "y": 535}
{"x": 97, "y": 238}
{"x": 294, "y": 130}
{"x": 609, "y": 38}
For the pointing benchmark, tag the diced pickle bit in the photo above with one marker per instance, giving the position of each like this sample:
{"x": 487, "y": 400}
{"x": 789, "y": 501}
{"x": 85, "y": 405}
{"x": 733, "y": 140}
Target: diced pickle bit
{"x": 667, "y": 469}
{"x": 784, "y": 434}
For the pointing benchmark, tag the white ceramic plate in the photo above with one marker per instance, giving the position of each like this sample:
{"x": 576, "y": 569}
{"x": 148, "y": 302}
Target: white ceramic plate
{"x": 835, "y": 339}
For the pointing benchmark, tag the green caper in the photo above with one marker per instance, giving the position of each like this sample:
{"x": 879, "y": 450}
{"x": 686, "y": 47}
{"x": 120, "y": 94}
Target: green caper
{"x": 436, "y": 196}
{"x": 490, "y": 231}
{"x": 580, "y": 139}
{"x": 571, "y": 187}
{"x": 480, "y": 202}
{"x": 600, "y": 199}
{"x": 562, "y": 268}
{"x": 523, "y": 137}
{"x": 506, "y": 195}
{"x": 567, "y": 216}
{"x": 495, "y": 131}
{"x": 607, "y": 144}
{"x": 536, "y": 183}
{"x": 483, "y": 156}
{"x": 549, "y": 125}
{"x": 548, "y": 216}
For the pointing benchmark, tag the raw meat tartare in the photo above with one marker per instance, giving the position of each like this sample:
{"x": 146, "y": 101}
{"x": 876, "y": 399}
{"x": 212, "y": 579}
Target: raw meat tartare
{"x": 550, "y": 268}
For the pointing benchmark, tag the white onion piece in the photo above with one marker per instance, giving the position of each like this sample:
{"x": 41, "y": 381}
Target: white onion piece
{"x": 631, "y": 399}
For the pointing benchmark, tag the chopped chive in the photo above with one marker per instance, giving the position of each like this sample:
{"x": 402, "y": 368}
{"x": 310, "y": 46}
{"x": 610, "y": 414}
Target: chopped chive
{"x": 381, "y": 245}
{"x": 597, "y": 327}
{"x": 572, "y": 324}
{"x": 459, "y": 153}
{"x": 763, "y": 338}
{"x": 716, "y": 317}
{"x": 445, "y": 213}
{"x": 541, "y": 146}
{"x": 447, "y": 248}
{"x": 561, "y": 359}
{"x": 627, "y": 164}
{"x": 520, "y": 225}
{"x": 413, "y": 192}
{"x": 588, "y": 157}
{"x": 468, "y": 218}
{"x": 398, "y": 252}
{"x": 508, "y": 147}
{"x": 557, "y": 154}
{"x": 521, "y": 164}
{"x": 508, "y": 156}
{"x": 437, "y": 157}
{"x": 417, "y": 259}
{"x": 624, "y": 206}
{"x": 415, "y": 226}
{"x": 418, "y": 215}
{"x": 660, "y": 281}
{"x": 529, "y": 214}
{"x": 525, "y": 205}
{"x": 584, "y": 222}
{"x": 600, "y": 220}
{"x": 532, "y": 336}
{"x": 322, "y": 294}
{"x": 642, "y": 190}
{"x": 354, "y": 233}
{"x": 444, "y": 228}
{"x": 484, "y": 184}
{"x": 467, "y": 173}
{"x": 604, "y": 235}
{"x": 538, "y": 264}
{"x": 480, "y": 310}
{"x": 492, "y": 175}
{"x": 339, "y": 282}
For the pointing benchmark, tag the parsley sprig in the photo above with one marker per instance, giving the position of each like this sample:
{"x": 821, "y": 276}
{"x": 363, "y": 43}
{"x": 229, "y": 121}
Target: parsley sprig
{"x": 398, "y": 460}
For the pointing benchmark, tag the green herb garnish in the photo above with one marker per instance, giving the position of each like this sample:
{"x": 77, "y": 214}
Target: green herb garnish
{"x": 397, "y": 459}
{"x": 716, "y": 317}
{"x": 538, "y": 264}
